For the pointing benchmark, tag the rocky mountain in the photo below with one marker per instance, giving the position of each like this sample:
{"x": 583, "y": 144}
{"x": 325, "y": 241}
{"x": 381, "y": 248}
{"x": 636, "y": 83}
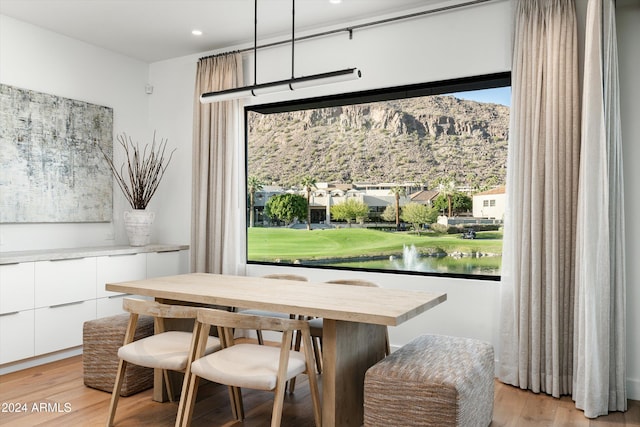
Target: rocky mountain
{"x": 418, "y": 139}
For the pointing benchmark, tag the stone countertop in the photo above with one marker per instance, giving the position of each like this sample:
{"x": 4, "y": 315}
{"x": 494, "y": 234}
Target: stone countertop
{"x": 74, "y": 253}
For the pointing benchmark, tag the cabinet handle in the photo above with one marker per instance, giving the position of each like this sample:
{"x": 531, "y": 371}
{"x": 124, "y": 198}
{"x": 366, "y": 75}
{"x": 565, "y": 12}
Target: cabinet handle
{"x": 10, "y": 263}
{"x": 9, "y": 314}
{"x": 168, "y": 250}
{"x": 66, "y": 259}
{"x": 66, "y": 304}
{"x": 117, "y": 255}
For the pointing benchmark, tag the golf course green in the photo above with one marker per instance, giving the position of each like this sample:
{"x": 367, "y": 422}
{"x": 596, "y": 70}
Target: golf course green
{"x": 287, "y": 245}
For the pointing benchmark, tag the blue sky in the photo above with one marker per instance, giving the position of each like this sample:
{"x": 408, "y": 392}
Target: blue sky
{"x": 500, "y": 95}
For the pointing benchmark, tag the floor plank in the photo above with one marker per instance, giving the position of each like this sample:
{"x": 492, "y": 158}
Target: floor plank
{"x": 55, "y": 395}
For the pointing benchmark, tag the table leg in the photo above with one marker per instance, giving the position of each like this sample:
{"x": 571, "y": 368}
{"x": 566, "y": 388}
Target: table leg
{"x": 176, "y": 378}
{"x": 348, "y": 350}
{"x": 159, "y": 392}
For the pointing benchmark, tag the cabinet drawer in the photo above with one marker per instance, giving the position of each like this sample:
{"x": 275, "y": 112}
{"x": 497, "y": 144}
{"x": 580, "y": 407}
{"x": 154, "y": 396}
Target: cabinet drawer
{"x": 16, "y": 336}
{"x": 16, "y": 287}
{"x": 167, "y": 263}
{"x": 58, "y": 328}
{"x": 64, "y": 281}
{"x": 120, "y": 268}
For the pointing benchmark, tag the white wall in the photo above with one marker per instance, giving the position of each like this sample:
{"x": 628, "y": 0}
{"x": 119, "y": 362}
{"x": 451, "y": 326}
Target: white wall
{"x": 171, "y": 113}
{"x": 39, "y": 60}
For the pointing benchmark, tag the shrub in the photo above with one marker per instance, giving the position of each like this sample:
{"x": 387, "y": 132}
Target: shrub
{"x": 439, "y": 228}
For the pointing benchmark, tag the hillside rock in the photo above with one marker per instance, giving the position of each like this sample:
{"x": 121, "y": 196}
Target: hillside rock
{"x": 419, "y": 139}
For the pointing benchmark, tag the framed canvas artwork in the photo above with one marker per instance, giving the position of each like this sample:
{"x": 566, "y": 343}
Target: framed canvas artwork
{"x": 51, "y": 168}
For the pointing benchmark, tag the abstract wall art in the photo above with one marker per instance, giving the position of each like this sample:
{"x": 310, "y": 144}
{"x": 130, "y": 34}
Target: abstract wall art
{"x": 51, "y": 169}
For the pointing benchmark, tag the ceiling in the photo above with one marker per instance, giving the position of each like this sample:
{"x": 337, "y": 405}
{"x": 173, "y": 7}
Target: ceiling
{"x": 154, "y": 30}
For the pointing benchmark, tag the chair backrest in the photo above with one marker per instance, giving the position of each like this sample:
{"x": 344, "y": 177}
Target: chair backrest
{"x": 156, "y": 309}
{"x": 354, "y": 282}
{"x": 286, "y": 277}
{"x": 227, "y": 319}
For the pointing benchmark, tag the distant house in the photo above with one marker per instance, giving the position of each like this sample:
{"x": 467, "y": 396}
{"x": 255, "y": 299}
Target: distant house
{"x": 325, "y": 195}
{"x": 260, "y": 201}
{"x": 490, "y": 203}
{"x": 424, "y": 197}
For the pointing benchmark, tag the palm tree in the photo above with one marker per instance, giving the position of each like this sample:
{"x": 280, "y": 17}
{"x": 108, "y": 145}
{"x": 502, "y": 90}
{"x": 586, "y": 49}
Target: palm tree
{"x": 398, "y": 191}
{"x": 447, "y": 188}
{"x": 253, "y": 185}
{"x": 309, "y": 183}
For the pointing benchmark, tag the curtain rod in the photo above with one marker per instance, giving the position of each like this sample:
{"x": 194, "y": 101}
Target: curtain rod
{"x": 353, "y": 27}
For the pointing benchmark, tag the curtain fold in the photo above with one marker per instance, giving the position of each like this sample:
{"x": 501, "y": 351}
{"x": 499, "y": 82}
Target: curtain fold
{"x": 218, "y": 181}
{"x": 600, "y": 365}
{"x": 537, "y": 286}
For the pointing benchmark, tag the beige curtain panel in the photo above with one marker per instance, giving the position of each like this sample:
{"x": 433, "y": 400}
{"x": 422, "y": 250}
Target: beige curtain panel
{"x": 563, "y": 280}
{"x": 537, "y": 287}
{"x": 218, "y": 181}
{"x": 600, "y": 342}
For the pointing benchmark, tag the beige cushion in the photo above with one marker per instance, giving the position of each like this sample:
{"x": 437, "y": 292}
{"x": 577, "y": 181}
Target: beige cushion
{"x": 247, "y": 365}
{"x": 168, "y": 350}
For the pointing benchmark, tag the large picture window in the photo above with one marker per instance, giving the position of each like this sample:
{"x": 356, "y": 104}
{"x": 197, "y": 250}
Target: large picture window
{"x": 407, "y": 179}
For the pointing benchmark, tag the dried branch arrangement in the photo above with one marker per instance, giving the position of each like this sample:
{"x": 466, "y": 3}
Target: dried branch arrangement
{"x": 144, "y": 171}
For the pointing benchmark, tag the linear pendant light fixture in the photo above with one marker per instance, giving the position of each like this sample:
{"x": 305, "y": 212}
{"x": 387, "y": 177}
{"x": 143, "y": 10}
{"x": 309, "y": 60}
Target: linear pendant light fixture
{"x": 282, "y": 85}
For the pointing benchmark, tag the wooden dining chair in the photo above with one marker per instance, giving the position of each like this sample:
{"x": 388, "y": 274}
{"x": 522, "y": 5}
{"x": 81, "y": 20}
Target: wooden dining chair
{"x": 165, "y": 350}
{"x": 273, "y": 313}
{"x": 249, "y": 365}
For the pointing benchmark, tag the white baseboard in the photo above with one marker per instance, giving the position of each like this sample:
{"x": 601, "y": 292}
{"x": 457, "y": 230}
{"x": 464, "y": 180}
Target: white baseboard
{"x": 40, "y": 360}
{"x": 633, "y": 389}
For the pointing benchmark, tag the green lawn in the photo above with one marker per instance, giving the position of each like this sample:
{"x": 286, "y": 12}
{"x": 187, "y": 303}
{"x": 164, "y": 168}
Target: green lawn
{"x": 270, "y": 244}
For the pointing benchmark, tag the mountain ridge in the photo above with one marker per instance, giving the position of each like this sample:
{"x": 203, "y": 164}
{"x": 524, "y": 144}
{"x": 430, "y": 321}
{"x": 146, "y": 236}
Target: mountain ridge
{"x": 427, "y": 139}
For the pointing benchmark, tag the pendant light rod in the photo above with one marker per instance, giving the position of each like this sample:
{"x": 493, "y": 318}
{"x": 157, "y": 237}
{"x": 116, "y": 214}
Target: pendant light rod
{"x": 281, "y": 85}
{"x": 255, "y": 42}
{"x": 293, "y": 37}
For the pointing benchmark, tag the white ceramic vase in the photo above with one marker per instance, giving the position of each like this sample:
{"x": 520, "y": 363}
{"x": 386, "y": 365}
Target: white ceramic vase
{"x": 138, "y": 224}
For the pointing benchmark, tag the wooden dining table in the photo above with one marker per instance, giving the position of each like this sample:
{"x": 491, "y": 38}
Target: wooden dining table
{"x": 355, "y": 320}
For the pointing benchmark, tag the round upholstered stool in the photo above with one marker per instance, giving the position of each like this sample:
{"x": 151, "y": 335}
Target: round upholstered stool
{"x": 101, "y": 340}
{"x": 432, "y": 381}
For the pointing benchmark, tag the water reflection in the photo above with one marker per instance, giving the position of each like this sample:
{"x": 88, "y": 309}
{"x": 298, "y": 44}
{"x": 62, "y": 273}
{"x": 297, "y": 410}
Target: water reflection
{"x": 412, "y": 261}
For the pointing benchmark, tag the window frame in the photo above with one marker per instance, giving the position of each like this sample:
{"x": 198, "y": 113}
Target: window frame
{"x": 479, "y": 82}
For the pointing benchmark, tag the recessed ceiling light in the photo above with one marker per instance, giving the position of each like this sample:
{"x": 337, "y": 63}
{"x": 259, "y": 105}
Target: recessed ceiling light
{"x": 196, "y": 32}
{"x": 335, "y": 1}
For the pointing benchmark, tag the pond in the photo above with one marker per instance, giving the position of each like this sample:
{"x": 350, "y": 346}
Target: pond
{"x": 412, "y": 261}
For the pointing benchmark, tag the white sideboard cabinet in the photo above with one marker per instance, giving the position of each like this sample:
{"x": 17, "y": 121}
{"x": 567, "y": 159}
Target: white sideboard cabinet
{"x": 17, "y": 293}
{"x": 166, "y": 263}
{"x": 46, "y": 296}
{"x": 112, "y": 269}
{"x": 65, "y": 297}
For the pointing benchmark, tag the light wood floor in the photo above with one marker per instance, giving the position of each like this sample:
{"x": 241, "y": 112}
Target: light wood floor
{"x": 58, "y": 390}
